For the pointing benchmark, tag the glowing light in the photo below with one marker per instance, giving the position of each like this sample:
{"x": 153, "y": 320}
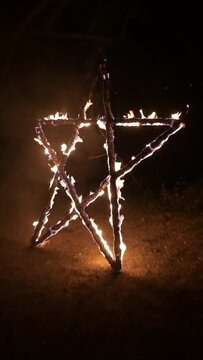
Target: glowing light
{"x": 101, "y": 124}
{"x": 54, "y": 169}
{"x": 142, "y": 114}
{"x": 130, "y": 115}
{"x": 87, "y": 105}
{"x": 129, "y": 124}
{"x": 153, "y": 115}
{"x": 57, "y": 116}
{"x": 38, "y": 141}
{"x": 176, "y": 116}
{"x": 117, "y": 165}
{"x": 112, "y": 184}
{"x": 99, "y": 233}
{"x": 84, "y": 125}
{"x": 63, "y": 147}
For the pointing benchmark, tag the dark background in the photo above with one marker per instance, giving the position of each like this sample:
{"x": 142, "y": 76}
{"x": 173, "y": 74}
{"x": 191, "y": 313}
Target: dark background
{"x": 49, "y": 56}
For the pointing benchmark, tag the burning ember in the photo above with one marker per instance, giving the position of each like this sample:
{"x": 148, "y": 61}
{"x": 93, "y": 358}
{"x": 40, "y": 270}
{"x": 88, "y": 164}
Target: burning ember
{"x": 113, "y": 183}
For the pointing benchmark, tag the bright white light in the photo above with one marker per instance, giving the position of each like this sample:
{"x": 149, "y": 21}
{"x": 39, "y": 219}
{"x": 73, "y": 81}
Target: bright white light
{"x": 176, "y": 116}
{"x": 117, "y": 165}
{"x": 130, "y": 124}
{"x": 87, "y": 105}
{"x": 152, "y": 115}
{"x": 63, "y": 147}
{"x": 142, "y": 114}
{"x": 101, "y": 124}
{"x": 57, "y": 116}
{"x": 54, "y": 169}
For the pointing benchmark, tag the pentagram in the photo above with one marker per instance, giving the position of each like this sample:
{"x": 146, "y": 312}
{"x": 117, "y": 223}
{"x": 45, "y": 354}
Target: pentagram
{"x": 112, "y": 184}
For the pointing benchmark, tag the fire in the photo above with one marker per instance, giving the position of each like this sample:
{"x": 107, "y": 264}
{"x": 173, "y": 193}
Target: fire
{"x": 117, "y": 165}
{"x": 101, "y": 124}
{"x": 99, "y": 233}
{"x": 63, "y": 147}
{"x": 112, "y": 184}
{"x": 130, "y": 115}
{"x": 153, "y": 115}
{"x": 87, "y": 105}
{"x": 129, "y": 124}
{"x": 176, "y": 116}
{"x": 84, "y": 125}
{"x": 57, "y": 116}
{"x": 54, "y": 169}
{"x": 142, "y": 114}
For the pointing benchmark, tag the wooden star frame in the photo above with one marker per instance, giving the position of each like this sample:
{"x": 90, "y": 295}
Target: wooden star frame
{"x": 112, "y": 183}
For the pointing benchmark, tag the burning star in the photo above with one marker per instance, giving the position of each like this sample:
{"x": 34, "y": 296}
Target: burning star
{"x": 112, "y": 184}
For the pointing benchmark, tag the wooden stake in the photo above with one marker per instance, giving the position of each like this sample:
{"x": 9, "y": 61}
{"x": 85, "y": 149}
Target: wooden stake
{"x": 111, "y": 156}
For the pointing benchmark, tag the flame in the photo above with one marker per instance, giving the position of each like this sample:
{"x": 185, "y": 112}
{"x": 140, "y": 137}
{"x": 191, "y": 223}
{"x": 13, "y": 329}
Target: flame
{"x": 51, "y": 181}
{"x": 156, "y": 123}
{"x": 46, "y": 215}
{"x": 87, "y": 105}
{"x": 117, "y": 165}
{"x": 84, "y": 125}
{"x": 38, "y": 141}
{"x": 130, "y": 124}
{"x": 119, "y": 186}
{"x": 57, "y": 116}
{"x": 142, "y": 114}
{"x": 101, "y": 124}
{"x": 54, "y": 169}
{"x": 130, "y": 115}
{"x": 119, "y": 181}
{"x": 63, "y": 147}
{"x": 99, "y": 233}
{"x": 176, "y": 116}
{"x": 110, "y": 204}
{"x": 163, "y": 141}
{"x": 153, "y": 115}
{"x": 123, "y": 248}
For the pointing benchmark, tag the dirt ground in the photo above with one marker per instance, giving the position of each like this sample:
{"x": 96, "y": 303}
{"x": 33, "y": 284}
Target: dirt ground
{"x": 63, "y": 300}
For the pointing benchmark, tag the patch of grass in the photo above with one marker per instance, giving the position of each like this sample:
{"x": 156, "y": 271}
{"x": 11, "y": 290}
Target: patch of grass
{"x": 182, "y": 197}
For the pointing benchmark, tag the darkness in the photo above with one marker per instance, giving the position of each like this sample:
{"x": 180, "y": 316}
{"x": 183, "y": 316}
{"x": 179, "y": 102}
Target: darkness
{"x": 49, "y": 56}
{"x": 50, "y": 53}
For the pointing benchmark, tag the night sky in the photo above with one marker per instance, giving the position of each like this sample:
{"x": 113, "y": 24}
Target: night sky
{"x": 50, "y": 53}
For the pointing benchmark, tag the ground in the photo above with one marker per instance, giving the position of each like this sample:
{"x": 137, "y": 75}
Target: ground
{"x": 64, "y": 301}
